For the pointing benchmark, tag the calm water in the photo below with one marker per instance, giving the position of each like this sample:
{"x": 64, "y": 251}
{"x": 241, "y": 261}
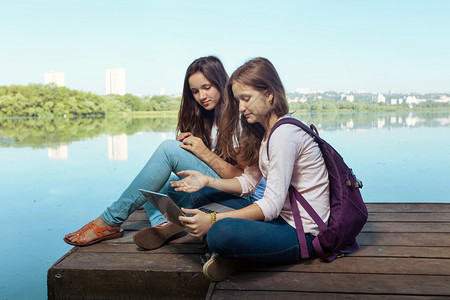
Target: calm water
{"x": 58, "y": 174}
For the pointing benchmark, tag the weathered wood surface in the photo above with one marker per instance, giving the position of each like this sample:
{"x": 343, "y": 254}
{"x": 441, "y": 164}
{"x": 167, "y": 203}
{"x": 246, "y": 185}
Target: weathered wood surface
{"x": 117, "y": 269}
{"x": 404, "y": 254}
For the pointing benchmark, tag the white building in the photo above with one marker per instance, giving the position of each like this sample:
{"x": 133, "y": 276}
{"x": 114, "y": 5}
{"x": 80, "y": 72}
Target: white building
{"x": 54, "y": 77}
{"x": 410, "y": 100}
{"x": 349, "y": 98}
{"x": 303, "y": 91}
{"x": 443, "y": 99}
{"x": 381, "y": 98}
{"x": 115, "y": 81}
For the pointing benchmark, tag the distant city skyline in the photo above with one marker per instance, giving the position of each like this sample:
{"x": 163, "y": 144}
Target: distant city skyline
{"x": 342, "y": 46}
{"x": 115, "y": 81}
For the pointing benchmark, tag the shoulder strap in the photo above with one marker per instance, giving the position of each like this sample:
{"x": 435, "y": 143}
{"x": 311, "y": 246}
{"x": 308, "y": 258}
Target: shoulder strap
{"x": 298, "y": 123}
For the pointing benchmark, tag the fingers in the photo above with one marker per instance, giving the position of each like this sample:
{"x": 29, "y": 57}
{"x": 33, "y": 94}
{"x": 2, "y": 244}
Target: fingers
{"x": 186, "y": 189}
{"x": 190, "y": 211}
{"x": 191, "y": 140}
{"x": 183, "y": 135}
{"x": 185, "y": 172}
{"x": 189, "y": 222}
{"x": 179, "y": 183}
{"x": 186, "y": 147}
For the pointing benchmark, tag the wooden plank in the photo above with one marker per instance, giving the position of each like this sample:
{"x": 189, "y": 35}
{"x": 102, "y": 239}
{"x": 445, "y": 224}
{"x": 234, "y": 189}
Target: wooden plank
{"x": 128, "y": 239}
{"x": 142, "y": 261}
{"x": 127, "y": 284}
{"x": 171, "y": 248}
{"x": 404, "y": 239}
{"x": 383, "y": 284}
{"x": 407, "y": 207}
{"x": 360, "y": 265}
{"x": 402, "y": 251}
{"x": 288, "y": 295}
{"x": 138, "y": 215}
{"x": 411, "y": 227}
{"x": 135, "y": 225}
{"x": 410, "y": 217}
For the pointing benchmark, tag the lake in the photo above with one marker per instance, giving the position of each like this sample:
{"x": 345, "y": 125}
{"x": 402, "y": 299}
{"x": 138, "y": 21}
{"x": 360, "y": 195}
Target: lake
{"x": 58, "y": 174}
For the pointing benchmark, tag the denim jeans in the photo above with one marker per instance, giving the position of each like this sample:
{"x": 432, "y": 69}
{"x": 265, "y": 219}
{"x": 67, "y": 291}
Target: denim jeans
{"x": 268, "y": 242}
{"x": 168, "y": 158}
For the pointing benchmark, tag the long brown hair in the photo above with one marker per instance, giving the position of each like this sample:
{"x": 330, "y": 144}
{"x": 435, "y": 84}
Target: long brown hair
{"x": 197, "y": 120}
{"x": 261, "y": 75}
{"x": 191, "y": 116}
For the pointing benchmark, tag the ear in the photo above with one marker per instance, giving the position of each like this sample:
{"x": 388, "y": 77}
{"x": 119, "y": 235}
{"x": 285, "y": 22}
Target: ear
{"x": 269, "y": 96}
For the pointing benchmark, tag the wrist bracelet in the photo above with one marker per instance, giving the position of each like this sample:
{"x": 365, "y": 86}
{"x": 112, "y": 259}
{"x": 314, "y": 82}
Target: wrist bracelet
{"x": 213, "y": 218}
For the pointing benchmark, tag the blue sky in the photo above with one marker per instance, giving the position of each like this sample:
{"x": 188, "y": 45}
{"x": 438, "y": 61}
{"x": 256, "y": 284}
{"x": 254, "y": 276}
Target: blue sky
{"x": 377, "y": 46}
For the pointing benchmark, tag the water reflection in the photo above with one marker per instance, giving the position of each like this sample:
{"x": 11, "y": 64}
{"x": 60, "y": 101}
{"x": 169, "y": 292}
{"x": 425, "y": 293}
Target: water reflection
{"x": 56, "y": 133}
{"x": 362, "y": 121}
{"x": 118, "y": 147}
{"x": 53, "y": 132}
{"x": 60, "y": 152}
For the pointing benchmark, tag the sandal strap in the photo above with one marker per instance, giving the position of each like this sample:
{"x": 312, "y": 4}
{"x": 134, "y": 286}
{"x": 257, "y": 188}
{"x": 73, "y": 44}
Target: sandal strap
{"x": 83, "y": 236}
{"x": 99, "y": 231}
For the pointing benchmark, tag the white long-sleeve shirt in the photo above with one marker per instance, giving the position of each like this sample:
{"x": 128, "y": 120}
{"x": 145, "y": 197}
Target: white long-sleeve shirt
{"x": 295, "y": 158}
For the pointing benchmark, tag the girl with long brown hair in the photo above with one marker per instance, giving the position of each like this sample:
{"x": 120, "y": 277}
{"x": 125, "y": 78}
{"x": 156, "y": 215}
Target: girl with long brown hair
{"x": 201, "y": 145}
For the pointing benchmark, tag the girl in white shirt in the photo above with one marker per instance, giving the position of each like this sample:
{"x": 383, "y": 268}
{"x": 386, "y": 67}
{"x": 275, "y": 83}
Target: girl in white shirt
{"x": 295, "y": 159}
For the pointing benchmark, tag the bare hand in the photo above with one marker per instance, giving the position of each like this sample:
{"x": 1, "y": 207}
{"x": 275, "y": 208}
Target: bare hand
{"x": 194, "y": 145}
{"x": 182, "y": 136}
{"x": 192, "y": 183}
{"x": 197, "y": 225}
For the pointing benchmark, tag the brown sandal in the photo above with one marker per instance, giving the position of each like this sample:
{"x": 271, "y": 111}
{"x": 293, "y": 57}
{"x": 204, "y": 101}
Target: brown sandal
{"x": 154, "y": 237}
{"x": 99, "y": 232}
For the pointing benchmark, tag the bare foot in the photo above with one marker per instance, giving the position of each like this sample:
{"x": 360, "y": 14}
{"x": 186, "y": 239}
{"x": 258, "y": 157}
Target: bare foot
{"x": 89, "y": 234}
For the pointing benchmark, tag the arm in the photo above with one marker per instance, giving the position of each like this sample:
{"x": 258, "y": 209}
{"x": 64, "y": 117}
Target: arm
{"x": 198, "y": 148}
{"x": 200, "y": 222}
{"x": 195, "y": 181}
{"x": 284, "y": 148}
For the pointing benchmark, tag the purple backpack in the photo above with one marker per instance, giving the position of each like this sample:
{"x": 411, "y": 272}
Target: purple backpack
{"x": 348, "y": 213}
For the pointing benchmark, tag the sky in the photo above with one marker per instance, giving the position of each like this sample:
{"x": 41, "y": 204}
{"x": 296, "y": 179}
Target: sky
{"x": 372, "y": 45}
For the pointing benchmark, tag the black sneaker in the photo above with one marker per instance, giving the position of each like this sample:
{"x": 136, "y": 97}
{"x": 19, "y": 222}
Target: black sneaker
{"x": 218, "y": 268}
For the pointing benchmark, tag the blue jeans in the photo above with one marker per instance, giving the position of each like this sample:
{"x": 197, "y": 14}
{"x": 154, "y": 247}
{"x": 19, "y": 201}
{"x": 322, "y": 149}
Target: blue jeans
{"x": 268, "y": 242}
{"x": 168, "y": 158}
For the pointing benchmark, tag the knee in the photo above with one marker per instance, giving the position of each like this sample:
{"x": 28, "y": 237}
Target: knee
{"x": 169, "y": 148}
{"x": 167, "y": 145}
{"x": 219, "y": 236}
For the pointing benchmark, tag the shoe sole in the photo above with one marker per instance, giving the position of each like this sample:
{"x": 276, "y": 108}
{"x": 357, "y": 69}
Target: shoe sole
{"x": 111, "y": 236}
{"x": 153, "y": 237}
{"x": 218, "y": 269}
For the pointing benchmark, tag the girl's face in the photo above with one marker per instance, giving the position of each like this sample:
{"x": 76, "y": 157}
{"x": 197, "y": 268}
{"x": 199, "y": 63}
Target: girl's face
{"x": 205, "y": 93}
{"x": 253, "y": 104}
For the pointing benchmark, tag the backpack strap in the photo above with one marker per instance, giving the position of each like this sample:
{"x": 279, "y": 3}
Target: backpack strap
{"x": 294, "y": 195}
{"x": 298, "y": 123}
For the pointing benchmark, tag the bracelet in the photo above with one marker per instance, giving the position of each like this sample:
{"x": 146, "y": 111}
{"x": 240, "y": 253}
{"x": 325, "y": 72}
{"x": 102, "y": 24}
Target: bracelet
{"x": 213, "y": 218}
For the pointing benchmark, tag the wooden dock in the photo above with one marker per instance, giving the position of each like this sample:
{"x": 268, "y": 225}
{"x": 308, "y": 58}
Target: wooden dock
{"x": 405, "y": 254}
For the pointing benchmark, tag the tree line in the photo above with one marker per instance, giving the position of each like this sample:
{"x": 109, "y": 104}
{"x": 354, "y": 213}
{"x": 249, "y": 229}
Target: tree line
{"x": 37, "y": 100}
